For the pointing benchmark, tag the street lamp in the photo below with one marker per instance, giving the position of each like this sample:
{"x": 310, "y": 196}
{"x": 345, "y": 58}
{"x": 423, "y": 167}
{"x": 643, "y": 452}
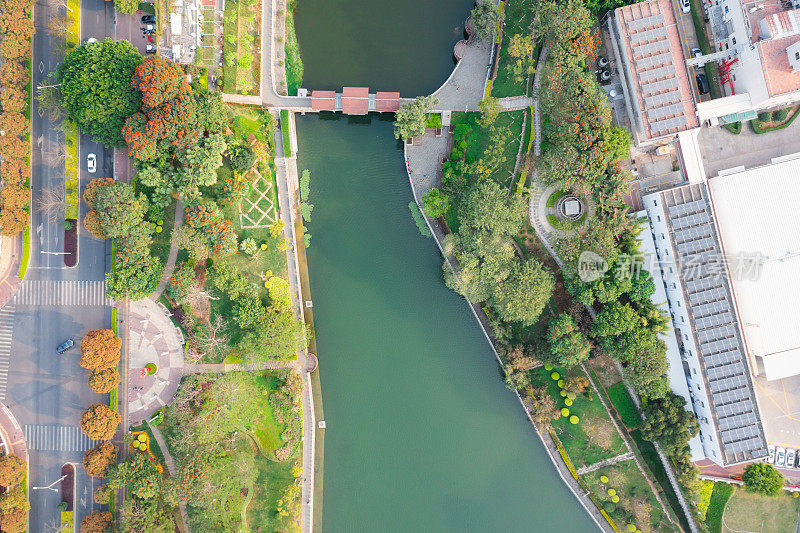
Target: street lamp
{"x": 50, "y": 486}
{"x": 54, "y": 253}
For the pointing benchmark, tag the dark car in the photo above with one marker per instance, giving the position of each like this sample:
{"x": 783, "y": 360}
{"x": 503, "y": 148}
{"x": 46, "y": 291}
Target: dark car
{"x": 702, "y": 83}
{"x": 64, "y": 346}
{"x": 148, "y": 19}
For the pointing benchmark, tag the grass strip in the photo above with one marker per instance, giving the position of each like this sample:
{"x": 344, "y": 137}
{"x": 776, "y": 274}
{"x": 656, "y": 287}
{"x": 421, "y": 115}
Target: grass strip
{"x": 719, "y": 499}
{"x": 623, "y": 403}
{"x": 294, "y": 63}
{"x": 26, "y": 252}
{"x": 287, "y": 140}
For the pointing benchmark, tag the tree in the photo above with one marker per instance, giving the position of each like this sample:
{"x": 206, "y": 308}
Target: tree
{"x": 102, "y": 494}
{"x": 242, "y": 157}
{"x": 97, "y": 522}
{"x": 104, "y": 380}
{"x": 669, "y": 422}
{"x": 181, "y": 280}
{"x": 542, "y": 407}
{"x": 562, "y": 22}
{"x": 97, "y": 460}
{"x": 100, "y": 422}
{"x": 100, "y": 349}
{"x": 12, "y": 470}
{"x": 49, "y": 99}
{"x": 490, "y": 109}
{"x": 411, "y": 119}
{"x": 90, "y": 192}
{"x": 487, "y": 19}
{"x": 615, "y": 319}
{"x": 567, "y": 344}
{"x": 435, "y": 203}
{"x": 520, "y": 48}
{"x": 118, "y": 208}
{"x": 617, "y": 141}
{"x": 14, "y": 74}
{"x": 92, "y": 224}
{"x": 51, "y": 203}
{"x": 137, "y": 474}
{"x": 14, "y": 124}
{"x": 13, "y": 501}
{"x": 523, "y": 294}
{"x": 135, "y": 278}
{"x": 487, "y": 207}
{"x": 96, "y": 89}
{"x": 763, "y": 478}
{"x": 159, "y": 80}
{"x": 248, "y": 312}
{"x": 14, "y": 204}
{"x": 15, "y": 522}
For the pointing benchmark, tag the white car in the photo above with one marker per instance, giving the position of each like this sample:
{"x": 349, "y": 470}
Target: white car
{"x": 790, "y": 458}
{"x": 780, "y": 456}
{"x": 686, "y": 7}
{"x": 771, "y": 457}
{"x": 91, "y": 163}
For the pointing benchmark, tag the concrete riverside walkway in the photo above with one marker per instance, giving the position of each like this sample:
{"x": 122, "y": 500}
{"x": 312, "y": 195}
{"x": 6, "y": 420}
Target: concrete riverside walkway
{"x": 463, "y": 90}
{"x": 153, "y": 339}
{"x": 171, "y": 469}
{"x": 195, "y": 368}
{"x": 173, "y": 251}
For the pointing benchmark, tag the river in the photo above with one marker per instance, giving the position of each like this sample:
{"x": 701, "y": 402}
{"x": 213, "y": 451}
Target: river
{"x": 422, "y": 434}
{"x": 387, "y": 45}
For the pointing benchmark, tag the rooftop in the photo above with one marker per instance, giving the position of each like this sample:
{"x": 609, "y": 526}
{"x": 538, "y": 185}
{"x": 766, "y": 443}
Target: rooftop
{"x": 387, "y": 102}
{"x": 355, "y": 100}
{"x": 323, "y": 100}
{"x": 652, "y": 47}
{"x": 775, "y": 62}
{"x": 756, "y": 215}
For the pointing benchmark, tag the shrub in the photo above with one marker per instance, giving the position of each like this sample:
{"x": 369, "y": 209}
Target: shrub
{"x": 455, "y": 155}
{"x": 102, "y": 493}
{"x": 764, "y": 116}
{"x": 763, "y": 478}
{"x": 780, "y": 115}
{"x": 460, "y": 131}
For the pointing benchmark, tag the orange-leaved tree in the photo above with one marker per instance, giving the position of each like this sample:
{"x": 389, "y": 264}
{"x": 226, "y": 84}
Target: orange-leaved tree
{"x": 12, "y": 469}
{"x": 97, "y": 460}
{"x": 104, "y": 380}
{"x": 100, "y": 349}
{"x": 100, "y": 422}
{"x": 97, "y": 522}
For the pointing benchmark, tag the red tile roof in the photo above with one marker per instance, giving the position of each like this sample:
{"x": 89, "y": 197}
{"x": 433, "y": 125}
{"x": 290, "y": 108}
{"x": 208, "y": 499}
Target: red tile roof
{"x": 355, "y": 100}
{"x": 323, "y": 100}
{"x": 387, "y": 102}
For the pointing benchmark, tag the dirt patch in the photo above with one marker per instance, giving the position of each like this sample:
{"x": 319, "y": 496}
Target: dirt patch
{"x": 602, "y": 434}
{"x": 71, "y": 244}
{"x": 605, "y": 370}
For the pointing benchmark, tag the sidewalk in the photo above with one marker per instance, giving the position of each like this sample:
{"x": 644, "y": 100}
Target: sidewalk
{"x": 10, "y": 259}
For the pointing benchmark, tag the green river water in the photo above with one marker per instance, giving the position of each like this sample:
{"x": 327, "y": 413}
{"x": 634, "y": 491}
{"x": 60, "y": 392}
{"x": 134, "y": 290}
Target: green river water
{"x": 422, "y": 434}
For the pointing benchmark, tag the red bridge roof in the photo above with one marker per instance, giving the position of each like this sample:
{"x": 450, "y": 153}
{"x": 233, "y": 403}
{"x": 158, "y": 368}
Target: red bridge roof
{"x": 387, "y": 102}
{"x": 323, "y": 100}
{"x": 355, "y": 100}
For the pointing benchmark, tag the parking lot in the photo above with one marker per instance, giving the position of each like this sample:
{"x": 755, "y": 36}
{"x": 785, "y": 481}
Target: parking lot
{"x": 779, "y": 403}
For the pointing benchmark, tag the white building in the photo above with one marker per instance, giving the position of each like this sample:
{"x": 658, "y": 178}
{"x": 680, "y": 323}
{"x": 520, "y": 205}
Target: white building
{"x": 711, "y": 363}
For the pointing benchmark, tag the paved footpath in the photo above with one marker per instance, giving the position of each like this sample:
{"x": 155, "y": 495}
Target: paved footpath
{"x": 10, "y": 258}
{"x": 173, "y": 251}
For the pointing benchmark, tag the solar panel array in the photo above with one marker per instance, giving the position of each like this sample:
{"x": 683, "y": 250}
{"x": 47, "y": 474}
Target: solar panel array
{"x": 668, "y": 124}
{"x": 714, "y": 323}
{"x": 646, "y": 22}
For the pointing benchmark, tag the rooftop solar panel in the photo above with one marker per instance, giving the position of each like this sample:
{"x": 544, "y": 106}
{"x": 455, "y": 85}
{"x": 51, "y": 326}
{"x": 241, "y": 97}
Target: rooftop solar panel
{"x": 646, "y": 22}
{"x": 664, "y": 58}
{"x": 656, "y": 34}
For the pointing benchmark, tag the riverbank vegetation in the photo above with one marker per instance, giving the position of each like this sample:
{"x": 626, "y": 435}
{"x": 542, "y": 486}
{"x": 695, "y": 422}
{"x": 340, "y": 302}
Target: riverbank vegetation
{"x": 294, "y": 63}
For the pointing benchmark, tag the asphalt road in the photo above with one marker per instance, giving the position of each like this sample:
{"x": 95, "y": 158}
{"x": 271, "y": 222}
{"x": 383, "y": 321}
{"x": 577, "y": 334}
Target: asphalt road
{"x": 48, "y": 393}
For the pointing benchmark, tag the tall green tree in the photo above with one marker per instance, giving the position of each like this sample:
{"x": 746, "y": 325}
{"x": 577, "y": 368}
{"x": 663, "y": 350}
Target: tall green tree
{"x": 523, "y": 294}
{"x": 119, "y": 208}
{"x": 137, "y": 474}
{"x": 411, "y": 118}
{"x": 96, "y": 89}
{"x": 763, "y": 478}
{"x": 568, "y": 345}
{"x": 435, "y": 203}
{"x": 669, "y": 422}
{"x": 488, "y": 19}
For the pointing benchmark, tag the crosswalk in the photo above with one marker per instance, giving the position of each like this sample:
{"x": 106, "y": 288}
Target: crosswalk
{"x": 6, "y": 331}
{"x": 56, "y": 438}
{"x": 76, "y": 293}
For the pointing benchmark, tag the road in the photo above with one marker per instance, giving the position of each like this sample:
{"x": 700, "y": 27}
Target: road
{"x": 47, "y": 393}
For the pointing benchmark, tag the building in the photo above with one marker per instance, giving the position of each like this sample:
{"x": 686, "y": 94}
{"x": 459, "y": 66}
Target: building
{"x": 709, "y": 352}
{"x": 755, "y": 210}
{"x": 648, "y": 51}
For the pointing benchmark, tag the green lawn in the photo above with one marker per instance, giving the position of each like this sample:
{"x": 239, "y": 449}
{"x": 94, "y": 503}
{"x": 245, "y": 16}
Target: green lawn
{"x": 624, "y": 405}
{"x": 273, "y": 478}
{"x": 161, "y": 241}
{"x": 478, "y": 139}
{"x": 519, "y": 17}
{"x": 594, "y": 438}
{"x": 637, "y": 504}
{"x": 747, "y": 511}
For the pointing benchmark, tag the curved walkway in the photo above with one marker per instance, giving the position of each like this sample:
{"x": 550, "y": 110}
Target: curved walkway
{"x": 463, "y": 90}
{"x": 11, "y": 435}
{"x": 171, "y": 469}
{"x": 10, "y": 259}
{"x": 173, "y": 252}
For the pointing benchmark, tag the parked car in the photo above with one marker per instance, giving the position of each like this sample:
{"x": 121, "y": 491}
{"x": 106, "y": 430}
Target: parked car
{"x": 91, "y": 163}
{"x": 64, "y": 346}
{"x": 780, "y": 456}
{"x": 686, "y": 7}
{"x": 148, "y": 18}
{"x": 790, "y": 458}
{"x": 151, "y": 49}
{"x": 696, "y": 52}
{"x": 148, "y": 28}
{"x": 702, "y": 84}
{"x": 771, "y": 457}
{"x": 91, "y": 40}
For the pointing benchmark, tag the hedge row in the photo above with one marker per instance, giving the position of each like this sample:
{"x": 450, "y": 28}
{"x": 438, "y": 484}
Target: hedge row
{"x": 16, "y": 28}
